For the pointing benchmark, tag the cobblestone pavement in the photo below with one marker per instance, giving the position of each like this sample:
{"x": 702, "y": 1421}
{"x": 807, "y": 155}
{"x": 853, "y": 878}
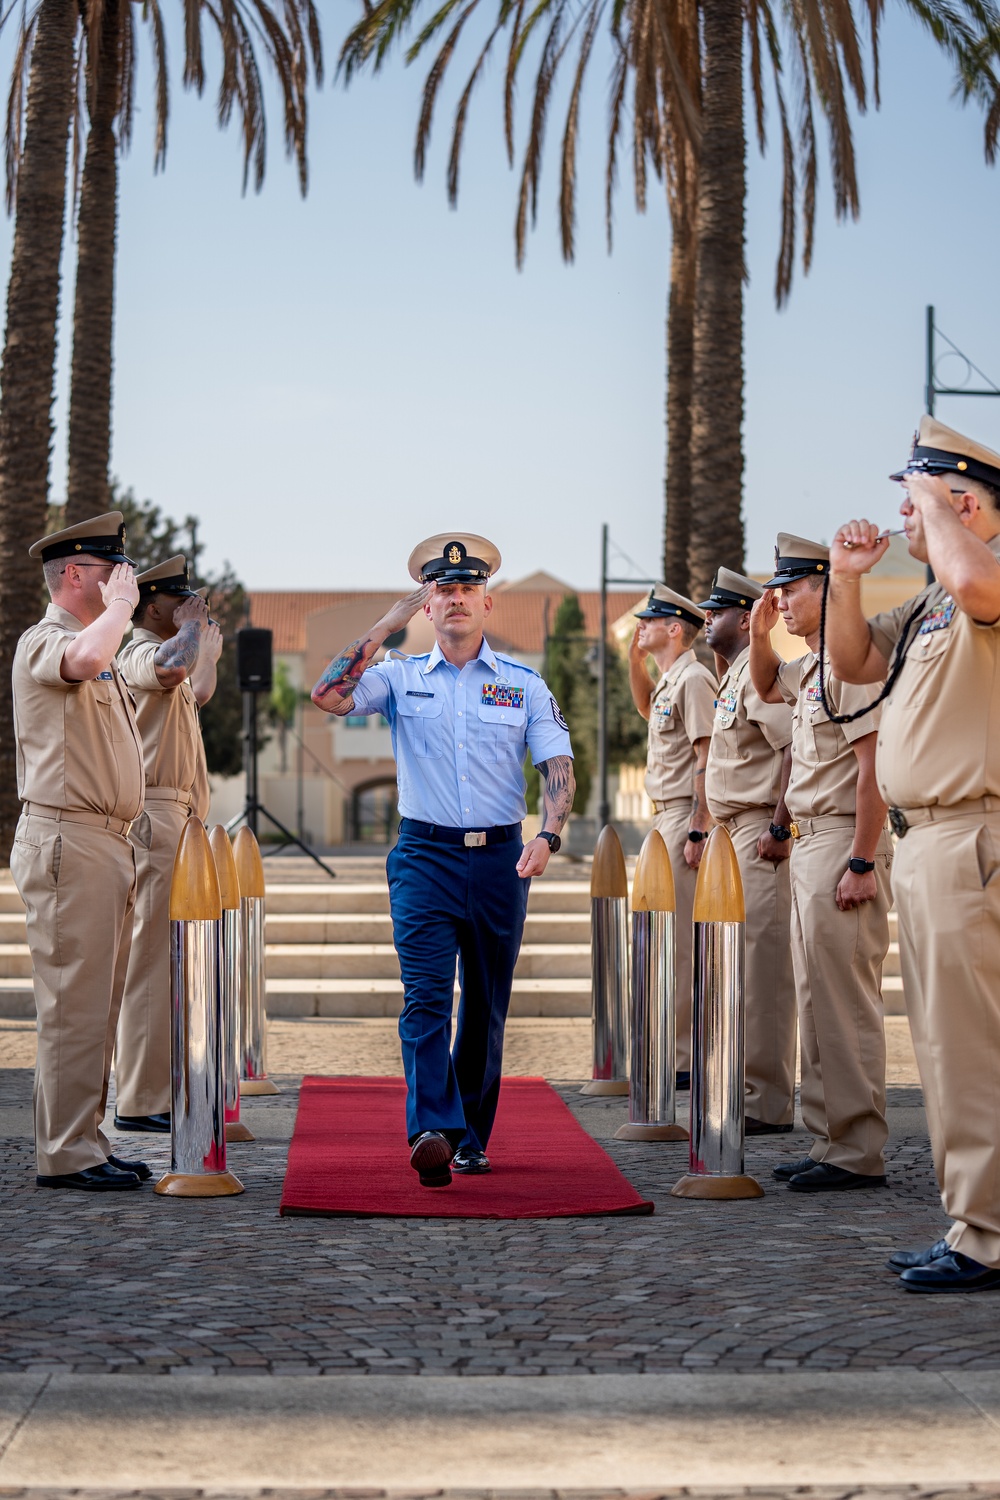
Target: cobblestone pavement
{"x": 149, "y": 1285}
{"x": 699, "y": 1492}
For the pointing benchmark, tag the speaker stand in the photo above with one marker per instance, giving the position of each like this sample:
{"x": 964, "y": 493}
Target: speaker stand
{"x": 252, "y": 806}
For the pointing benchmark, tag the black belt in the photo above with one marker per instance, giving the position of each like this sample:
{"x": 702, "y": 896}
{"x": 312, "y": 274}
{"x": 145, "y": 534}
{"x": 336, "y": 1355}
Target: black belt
{"x": 471, "y": 838}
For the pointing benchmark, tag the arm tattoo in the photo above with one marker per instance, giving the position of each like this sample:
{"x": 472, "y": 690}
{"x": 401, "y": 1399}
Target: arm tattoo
{"x": 340, "y": 677}
{"x": 557, "y": 797}
{"x": 181, "y": 650}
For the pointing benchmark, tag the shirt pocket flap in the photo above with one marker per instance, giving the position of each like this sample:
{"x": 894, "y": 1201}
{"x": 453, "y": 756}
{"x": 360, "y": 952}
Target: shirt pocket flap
{"x": 419, "y": 708}
{"x": 491, "y": 713}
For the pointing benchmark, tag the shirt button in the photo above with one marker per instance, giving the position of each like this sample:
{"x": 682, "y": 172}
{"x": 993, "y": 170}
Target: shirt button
{"x": 460, "y": 745}
{"x": 468, "y": 809}
{"x": 459, "y": 713}
{"x": 465, "y": 778}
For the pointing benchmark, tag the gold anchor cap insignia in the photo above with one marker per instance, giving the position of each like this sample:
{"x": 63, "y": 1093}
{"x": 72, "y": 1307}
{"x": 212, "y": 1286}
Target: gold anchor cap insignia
{"x": 454, "y": 553}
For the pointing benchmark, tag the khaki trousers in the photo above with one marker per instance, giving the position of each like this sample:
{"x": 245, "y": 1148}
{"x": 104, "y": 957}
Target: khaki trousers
{"x": 837, "y": 960}
{"x": 142, "y": 1050}
{"x": 946, "y": 882}
{"x": 78, "y": 885}
{"x": 673, "y": 824}
{"x": 770, "y": 1028}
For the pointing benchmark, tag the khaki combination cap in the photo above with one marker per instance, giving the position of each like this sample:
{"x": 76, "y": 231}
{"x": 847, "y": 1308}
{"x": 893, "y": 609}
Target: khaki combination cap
{"x": 454, "y": 557}
{"x": 102, "y": 536}
{"x": 664, "y": 604}
{"x": 938, "y": 449}
{"x": 795, "y": 557}
{"x": 170, "y": 577}
{"x": 731, "y": 590}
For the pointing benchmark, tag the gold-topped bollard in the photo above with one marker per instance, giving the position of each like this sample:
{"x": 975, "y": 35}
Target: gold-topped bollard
{"x": 609, "y": 966}
{"x": 717, "y": 1030}
{"x": 253, "y": 1018}
{"x": 231, "y": 933}
{"x": 652, "y": 1093}
{"x": 197, "y": 1092}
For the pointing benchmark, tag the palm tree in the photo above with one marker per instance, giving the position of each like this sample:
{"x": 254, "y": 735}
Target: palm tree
{"x": 109, "y": 41}
{"x": 37, "y": 175}
{"x": 686, "y": 66}
{"x": 62, "y": 45}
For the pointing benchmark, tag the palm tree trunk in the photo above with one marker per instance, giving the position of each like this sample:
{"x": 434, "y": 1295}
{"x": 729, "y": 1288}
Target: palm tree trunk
{"x": 680, "y": 370}
{"x": 27, "y": 372}
{"x": 717, "y": 416}
{"x": 93, "y": 317}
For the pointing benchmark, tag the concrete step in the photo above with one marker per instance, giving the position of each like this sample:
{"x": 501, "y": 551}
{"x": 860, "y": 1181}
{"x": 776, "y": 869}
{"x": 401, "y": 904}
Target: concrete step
{"x": 364, "y": 927}
{"x": 379, "y": 961}
{"x": 373, "y": 897}
{"x": 384, "y": 997}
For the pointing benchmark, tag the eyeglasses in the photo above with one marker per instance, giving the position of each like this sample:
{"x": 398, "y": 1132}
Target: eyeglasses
{"x": 88, "y": 565}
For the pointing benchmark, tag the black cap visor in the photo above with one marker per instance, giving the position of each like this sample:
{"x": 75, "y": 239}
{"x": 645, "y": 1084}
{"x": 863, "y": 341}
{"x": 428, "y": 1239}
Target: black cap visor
{"x": 939, "y": 461}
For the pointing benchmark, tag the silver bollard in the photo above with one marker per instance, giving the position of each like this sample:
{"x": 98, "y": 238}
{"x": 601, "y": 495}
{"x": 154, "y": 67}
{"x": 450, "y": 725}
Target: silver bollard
{"x": 651, "y": 1093}
{"x": 197, "y": 1102}
{"x": 717, "y": 1068}
{"x": 253, "y": 1021}
{"x": 609, "y": 966}
{"x": 231, "y": 931}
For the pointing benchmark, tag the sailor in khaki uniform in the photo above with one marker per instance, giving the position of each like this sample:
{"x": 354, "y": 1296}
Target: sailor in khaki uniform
{"x": 170, "y": 665}
{"x": 939, "y": 770}
{"x": 79, "y": 776}
{"x": 680, "y": 708}
{"x": 749, "y": 760}
{"x": 840, "y": 865}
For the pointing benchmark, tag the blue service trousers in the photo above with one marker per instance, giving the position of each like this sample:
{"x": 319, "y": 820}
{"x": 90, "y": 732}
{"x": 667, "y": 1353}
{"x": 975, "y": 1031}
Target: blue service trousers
{"x": 447, "y": 900}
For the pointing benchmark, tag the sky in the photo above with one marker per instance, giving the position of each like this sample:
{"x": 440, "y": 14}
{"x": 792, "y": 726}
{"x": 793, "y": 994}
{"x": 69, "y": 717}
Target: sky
{"x": 324, "y": 382}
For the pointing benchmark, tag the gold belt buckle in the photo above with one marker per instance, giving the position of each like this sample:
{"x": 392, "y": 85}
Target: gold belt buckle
{"x": 475, "y": 841}
{"x": 794, "y": 830}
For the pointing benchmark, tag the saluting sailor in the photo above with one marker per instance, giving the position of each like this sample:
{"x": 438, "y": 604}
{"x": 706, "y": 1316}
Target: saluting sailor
{"x": 938, "y": 767}
{"x": 462, "y": 719}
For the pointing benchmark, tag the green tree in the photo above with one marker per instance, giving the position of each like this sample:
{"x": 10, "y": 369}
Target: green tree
{"x": 283, "y": 705}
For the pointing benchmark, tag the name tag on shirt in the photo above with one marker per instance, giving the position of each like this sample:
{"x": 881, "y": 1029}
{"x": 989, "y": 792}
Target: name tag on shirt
{"x": 105, "y": 677}
{"x": 412, "y": 693}
{"x": 938, "y": 619}
{"x": 502, "y": 695}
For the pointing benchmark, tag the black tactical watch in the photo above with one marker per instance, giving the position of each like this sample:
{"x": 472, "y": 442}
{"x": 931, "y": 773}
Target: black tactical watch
{"x": 861, "y": 866}
{"x": 695, "y": 836}
{"x": 552, "y": 839}
{"x": 780, "y": 832}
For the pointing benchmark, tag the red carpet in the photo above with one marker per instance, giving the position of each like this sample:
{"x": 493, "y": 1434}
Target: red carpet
{"x": 349, "y": 1156}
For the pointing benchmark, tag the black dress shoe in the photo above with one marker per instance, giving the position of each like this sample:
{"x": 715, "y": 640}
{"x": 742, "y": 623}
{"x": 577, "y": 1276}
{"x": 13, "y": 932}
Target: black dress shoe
{"x": 824, "y": 1177}
{"x": 470, "y": 1162}
{"x": 682, "y": 1080}
{"x": 141, "y": 1170}
{"x": 154, "y": 1124}
{"x": 102, "y": 1179}
{"x": 904, "y": 1260}
{"x": 429, "y": 1156}
{"x": 764, "y": 1127}
{"x": 788, "y": 1169}
{"x": 953, "y": 1272}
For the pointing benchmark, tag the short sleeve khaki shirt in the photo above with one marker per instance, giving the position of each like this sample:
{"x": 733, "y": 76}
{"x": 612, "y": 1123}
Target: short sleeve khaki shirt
{"x": 168, "y": 722}
{"x": 748, "y": 740}
{"x": 824, "y": 777}
{"x": 939, "y": 742}
{"x": 681, "y": 712}
{"x": 77, "y": 743}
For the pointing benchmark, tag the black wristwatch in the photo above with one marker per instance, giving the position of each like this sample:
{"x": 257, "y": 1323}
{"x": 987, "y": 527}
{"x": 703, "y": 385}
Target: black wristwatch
{"x": 695, "y": 836}
{"x": 780, "y": 832}
{"x": 552, "y": 839}
{"x": 861, "y": 866}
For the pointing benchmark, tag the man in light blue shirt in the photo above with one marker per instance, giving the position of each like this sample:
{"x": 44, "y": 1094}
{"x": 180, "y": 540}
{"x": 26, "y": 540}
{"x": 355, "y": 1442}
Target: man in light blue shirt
{"x": 463, "y": 718}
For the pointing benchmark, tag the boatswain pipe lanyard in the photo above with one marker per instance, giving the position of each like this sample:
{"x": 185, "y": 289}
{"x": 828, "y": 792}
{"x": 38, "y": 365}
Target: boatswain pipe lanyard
{"x": 902, "y": 647}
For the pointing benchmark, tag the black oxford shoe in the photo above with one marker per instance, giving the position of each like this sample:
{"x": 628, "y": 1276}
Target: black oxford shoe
{"x": 905, "y": 1260}
{"x": 141, "y": 1170}
{"x": 824, "y": 1177}
{"x": 788, "y": 1169}
{"x": 764, "y": 1127}
{"x": 470, "y": 1162}
{"x": 953, "y": 1272}
{"x": 429, "y": 1156}
{"x": 154, "y": 1124}
{"x": 102, "y": 1179}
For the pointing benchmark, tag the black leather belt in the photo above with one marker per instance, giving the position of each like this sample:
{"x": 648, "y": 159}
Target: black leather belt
{"x": 471, "y": 838}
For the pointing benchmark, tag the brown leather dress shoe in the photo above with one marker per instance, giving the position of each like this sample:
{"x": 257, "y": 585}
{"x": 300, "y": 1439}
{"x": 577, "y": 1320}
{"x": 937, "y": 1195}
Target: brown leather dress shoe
{"x": 429, "y": 1156}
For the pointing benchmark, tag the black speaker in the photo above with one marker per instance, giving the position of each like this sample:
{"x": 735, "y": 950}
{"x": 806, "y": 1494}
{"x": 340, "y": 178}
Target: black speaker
{"x": 253, "y": 659}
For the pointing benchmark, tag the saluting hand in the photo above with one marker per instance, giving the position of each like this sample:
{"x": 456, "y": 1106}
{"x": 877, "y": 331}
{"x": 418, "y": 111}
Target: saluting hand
{"x": 402, "y": 612}
{"x": 211, "y": 643}
{"x": 120, "y": 585}
{"x": 192, "y": 608}
{"x": 764, "y": 615}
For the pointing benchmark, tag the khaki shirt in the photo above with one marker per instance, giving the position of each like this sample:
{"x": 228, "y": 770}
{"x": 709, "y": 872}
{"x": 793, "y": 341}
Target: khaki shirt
{"x": 168, "y": 723}
{"x": 824, "y": 779}
{"x": 940, "y": 735}
{"x": 681, "y": 712}
{"x": 78, "y": 744}
{"x": 748, "y": 738}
